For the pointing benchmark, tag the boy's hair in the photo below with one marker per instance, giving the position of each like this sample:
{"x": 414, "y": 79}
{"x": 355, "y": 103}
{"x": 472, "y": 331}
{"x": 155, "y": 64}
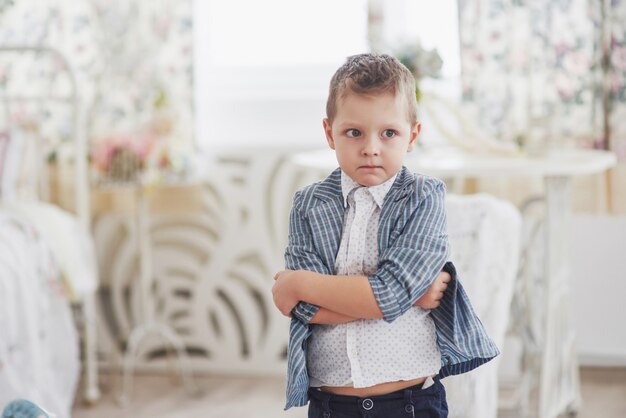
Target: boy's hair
{"x": 372, "y": 74}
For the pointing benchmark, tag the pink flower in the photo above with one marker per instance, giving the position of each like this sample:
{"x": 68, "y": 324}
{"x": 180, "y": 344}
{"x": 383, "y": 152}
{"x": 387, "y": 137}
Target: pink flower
{"x": 565, "y": 86}
{"x": 561, "y": 48}
{"x": 576, "y": 64}
{"x": 618, "y": 58}
{"x": 101, "y": 154}
{"x": 519, "y": 58}
{"x": 617, "y": 81}
{"x": 140, "y": 144}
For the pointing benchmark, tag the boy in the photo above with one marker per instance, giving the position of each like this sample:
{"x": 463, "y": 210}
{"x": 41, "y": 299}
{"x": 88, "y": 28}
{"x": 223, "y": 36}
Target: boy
{"x": 366, "y": 246}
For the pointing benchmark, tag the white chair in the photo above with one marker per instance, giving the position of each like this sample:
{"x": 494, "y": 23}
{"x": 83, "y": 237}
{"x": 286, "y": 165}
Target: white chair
{"x": 485, "y": 236}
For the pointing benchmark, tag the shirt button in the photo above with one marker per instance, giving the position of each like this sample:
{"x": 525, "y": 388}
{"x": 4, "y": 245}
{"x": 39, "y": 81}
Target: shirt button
{"x": 368, "y": 404}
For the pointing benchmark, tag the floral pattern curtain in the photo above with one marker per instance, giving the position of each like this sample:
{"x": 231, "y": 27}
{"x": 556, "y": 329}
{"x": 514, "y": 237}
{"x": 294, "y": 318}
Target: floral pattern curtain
{"x": 133, "y": 62}
{"x": 556, "y": 67}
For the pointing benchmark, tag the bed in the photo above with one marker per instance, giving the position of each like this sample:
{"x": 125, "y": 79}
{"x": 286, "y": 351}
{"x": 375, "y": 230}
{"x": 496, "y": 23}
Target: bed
{"x": 48, "y": 273}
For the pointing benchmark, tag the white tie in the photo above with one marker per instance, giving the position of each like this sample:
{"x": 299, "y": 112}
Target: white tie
{"x": 363, "y": 206}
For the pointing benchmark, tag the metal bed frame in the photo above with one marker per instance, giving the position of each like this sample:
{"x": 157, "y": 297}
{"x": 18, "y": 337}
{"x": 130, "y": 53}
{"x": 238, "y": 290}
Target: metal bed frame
{"x": 82, "y": 194}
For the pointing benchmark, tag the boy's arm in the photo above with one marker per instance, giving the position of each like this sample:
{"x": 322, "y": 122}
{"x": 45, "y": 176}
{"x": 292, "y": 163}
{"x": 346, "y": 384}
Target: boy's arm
{"x": 299, "y": 285}
{"x": 293, "y": 286}
{"x": 301, "y": 254}
{"x": 349, "y": 296}
{"x": 327, "y": 317}
{"x": 407, "y": 270}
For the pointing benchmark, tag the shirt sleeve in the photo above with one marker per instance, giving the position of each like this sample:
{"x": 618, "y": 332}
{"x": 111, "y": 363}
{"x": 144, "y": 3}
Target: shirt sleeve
{"x": 302, "y": 255}
{"x": 412, "y": 261}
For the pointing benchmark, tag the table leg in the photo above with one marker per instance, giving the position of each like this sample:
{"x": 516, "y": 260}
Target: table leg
{"x": 559, "y": 382}
{"x": 169, "y": 336}
{"x": 149, "y": 325}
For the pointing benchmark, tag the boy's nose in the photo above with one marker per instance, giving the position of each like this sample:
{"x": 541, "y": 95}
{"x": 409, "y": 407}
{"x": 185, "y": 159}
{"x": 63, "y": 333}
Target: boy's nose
{"x": 371, "y": 147}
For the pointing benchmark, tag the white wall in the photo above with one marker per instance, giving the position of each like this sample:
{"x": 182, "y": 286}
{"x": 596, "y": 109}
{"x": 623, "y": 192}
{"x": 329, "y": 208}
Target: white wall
{"x": 598, "y": 252}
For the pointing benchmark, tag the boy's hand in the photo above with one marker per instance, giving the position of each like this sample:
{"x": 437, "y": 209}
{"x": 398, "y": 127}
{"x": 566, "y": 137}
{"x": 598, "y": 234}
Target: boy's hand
{"x": 432, "y": 298}
{"x": 284, "y": 291}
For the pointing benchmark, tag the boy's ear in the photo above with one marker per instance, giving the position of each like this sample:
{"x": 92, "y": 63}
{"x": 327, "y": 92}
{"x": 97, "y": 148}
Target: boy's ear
{"x": 328, "y": 130}
{"x": 414, "y": 134}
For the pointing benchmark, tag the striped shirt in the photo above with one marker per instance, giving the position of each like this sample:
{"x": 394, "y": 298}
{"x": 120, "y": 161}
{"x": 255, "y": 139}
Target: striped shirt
{"x": 413, "y": 249}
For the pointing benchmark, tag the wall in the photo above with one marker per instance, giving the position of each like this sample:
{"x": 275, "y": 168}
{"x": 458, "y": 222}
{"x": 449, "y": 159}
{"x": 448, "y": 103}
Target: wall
{"x": 599, "y": 284}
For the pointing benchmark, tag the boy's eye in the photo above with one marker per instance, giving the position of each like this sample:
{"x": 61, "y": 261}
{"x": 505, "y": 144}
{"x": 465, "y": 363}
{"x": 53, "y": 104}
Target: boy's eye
{"x": 389, "y": 133}
{"x": 353, "y": 133}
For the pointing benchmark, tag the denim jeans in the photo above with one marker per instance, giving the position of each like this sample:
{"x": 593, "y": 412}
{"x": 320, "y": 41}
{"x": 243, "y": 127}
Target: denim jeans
{"x": 413, "y": 402}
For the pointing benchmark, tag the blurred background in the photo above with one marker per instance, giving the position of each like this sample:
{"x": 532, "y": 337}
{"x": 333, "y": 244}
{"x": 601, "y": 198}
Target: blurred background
{"x": 149, "y": 151}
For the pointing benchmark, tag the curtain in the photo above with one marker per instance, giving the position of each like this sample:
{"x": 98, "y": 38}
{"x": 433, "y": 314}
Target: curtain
{"x": 559, "y": 66}
{"x": 133, "y": 61}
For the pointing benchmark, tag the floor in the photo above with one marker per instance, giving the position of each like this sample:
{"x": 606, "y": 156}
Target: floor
{"x": 603, "y": 390}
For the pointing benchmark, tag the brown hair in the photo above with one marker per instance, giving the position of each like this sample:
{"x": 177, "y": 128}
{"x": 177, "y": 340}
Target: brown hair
{"x": 372, "y": 74}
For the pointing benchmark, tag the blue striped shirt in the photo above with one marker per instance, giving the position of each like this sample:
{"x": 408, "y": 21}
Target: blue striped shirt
{"x": 413, "y": 249}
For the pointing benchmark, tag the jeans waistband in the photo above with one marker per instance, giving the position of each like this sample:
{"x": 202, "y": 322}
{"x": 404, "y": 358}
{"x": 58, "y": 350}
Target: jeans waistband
{"x": 398, "y": 394}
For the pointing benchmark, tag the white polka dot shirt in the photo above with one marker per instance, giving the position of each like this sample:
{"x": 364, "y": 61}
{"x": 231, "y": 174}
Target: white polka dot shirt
{"x": 367, "y": 352}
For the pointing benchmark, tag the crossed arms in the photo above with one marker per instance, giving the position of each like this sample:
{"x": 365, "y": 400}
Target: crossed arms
{"x": 340, "y": 298}
{"x": 409, "y": 269}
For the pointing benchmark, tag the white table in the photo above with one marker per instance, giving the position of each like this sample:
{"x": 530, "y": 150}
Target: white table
{"x": 557, "y": 369}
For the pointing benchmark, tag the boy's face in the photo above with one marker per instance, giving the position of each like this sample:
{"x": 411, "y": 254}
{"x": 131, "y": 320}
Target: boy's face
{"x": 371, "y": 136}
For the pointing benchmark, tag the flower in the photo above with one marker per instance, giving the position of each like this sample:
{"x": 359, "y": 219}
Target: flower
{"x": 420, "y": 62}
{"x": 122, "y": 157}
{"x": 146, "y": 154}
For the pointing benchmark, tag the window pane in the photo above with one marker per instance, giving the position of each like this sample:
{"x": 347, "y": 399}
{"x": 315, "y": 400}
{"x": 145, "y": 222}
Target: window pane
{"x": 262, "y": 68}
{"x": 285, "y": 32}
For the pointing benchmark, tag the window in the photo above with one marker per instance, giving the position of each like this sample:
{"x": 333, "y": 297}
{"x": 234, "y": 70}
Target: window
{"x": 261, "y": 68}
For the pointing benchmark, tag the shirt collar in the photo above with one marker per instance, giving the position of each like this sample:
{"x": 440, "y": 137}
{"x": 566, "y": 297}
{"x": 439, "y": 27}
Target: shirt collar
{"x": 378, "y": 192}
